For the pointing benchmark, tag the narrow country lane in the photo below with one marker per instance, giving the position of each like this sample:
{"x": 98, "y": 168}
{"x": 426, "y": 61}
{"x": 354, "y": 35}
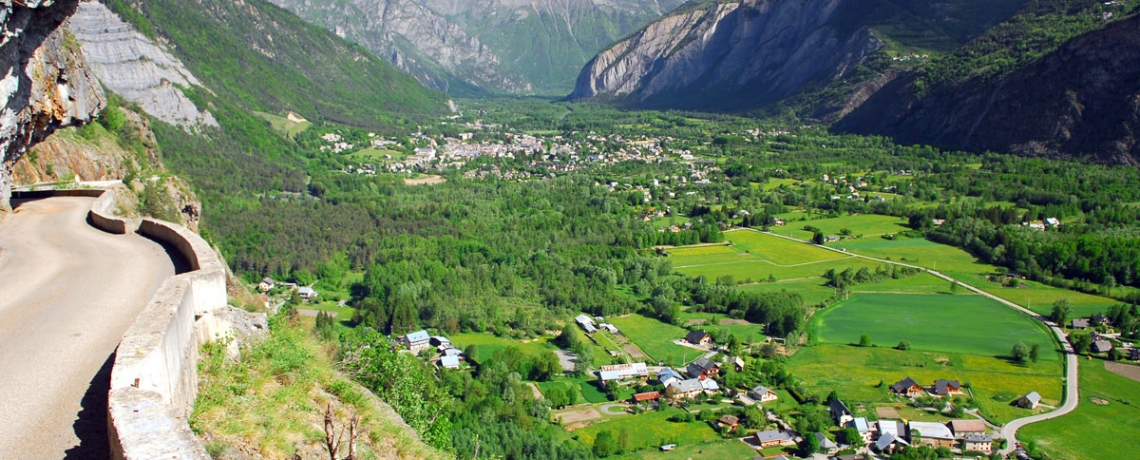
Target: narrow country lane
{"x": 68, "y": 292}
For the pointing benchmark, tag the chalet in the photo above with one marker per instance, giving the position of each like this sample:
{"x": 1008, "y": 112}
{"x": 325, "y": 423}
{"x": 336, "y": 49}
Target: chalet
{"x": 887, "y": 443}
{"x": 864, "y": 428}
{"x": 840, "y": 413}
{"x": 1100, "y": 320}
{"x": 963, "y": 428}
{"x": 763, "y": 394}
{"x": 449, "y": 362}
{"x": 684, "y": 389}
{"x": 978, "y": 443}
{"x": 308, "y": 293}
{"x": 668, "y": 375}
{"x": 698, "y": 338}
{"x": 1052, "y": 222}
{"x": 826, "y": 446}
{"x": 729, "y": 422}
{"x": 1135, "y": 354}
{"x": 416, "y": 341}
{"x": 773, "y": 438}
{"x": 946, "y": 388}
{"x": 1029, "y": 401}
{"x": 702, "y": 369}
{"x": 1101, "y": 346}
{"x": 623, "y": 371}
{"x": 646, "y": 397}
{"x": 1080, "y": 324}
{"x": 907, "y": 387}
{"x": 932, "y": 434}
{"x": 266, "y": 284}
{"x": 290, "y": 286}
{"x": 738, "y": 363}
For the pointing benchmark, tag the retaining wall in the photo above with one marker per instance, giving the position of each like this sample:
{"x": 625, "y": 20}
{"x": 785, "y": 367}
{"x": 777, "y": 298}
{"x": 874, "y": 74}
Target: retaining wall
{"x": 154, "y": 380}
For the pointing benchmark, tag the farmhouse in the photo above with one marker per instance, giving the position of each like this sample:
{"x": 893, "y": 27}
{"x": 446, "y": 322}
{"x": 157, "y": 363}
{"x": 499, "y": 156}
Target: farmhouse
{"x": 266, "y": 284}
{"x": 586, "y": 322}
{"x": 710, "y": 386}
{"x": 1100, "y": 320}
{"x": 646, "y": 397}
{"x": 907, "y": 387}
{"x": 977, "y": 443}
{"x": 773, "y": 438}
{"x": 738, "y": 364}
{"x": 840, "y": 413}
{"x": 1080, "y": 324}
{"x": 729, "y": 422}
{"x": 893, "y": 427}
{"x": 887, "y": 443}
{"x": 684, "y": 389}
{"x": 440, "y": 342}
{"x": 1101, "y": 346}
{"x": 698, "y": 338}
{"x": 623, "y": 371}
{"x": 308, "y": 293}
{"x": 668, "y": 375}
{"x": 702, "y": 369}
{"x": 826, "y": 445}
{"x": 946, "y": 388}
{"x": 609, "y": 327}
{"x": 1029, "y": 401}
{"x": 763, "y": 394}
{"x": 416, "y": 341}
{"x": 290, "y": 286}
{"x": 449, "y": 362}
{"x": 932, "y": 434}
{"x": 963, "y": 428}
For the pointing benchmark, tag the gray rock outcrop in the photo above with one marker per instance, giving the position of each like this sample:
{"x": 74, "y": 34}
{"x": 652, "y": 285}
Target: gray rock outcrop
{"x": 727, "y": 55}
{"x": 135, "y": 68}
{"x": 44, "y": 82}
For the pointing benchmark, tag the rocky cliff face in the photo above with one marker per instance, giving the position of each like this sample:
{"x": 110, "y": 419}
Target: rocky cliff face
{"x": 415, "y": 40}
{"x": 44, "y": 83}
{"x": 1083, "y": 99}
{"x": 728, "y": 55}
{"x": 136, "y": 68}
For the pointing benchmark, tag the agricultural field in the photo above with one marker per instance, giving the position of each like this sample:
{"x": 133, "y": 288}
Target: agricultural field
{"x": 812, "y": 289}
{"x": 777, "y": 250}
{"x": 656, "y": 338}
{"x": 1040, "y": 297}
{"x": 863, "y": 375}
{"x": 868, "y": 225}
{"x": 969, "y": 324}
{"x": 487, "y": 344}
{"x": 727, "y": 449}
{"x": 1108, "y": 411}
{"x": 920, "y": 252}
{"x": 650, "y": 430}
{"x": 284, "y": 125}
{"x": 754, "y": 257}
{"x": 714, "y": 322}
{"x": 922, "y": 283}
{"x": 665, "y": 222}
{"x": 775, "y": 183}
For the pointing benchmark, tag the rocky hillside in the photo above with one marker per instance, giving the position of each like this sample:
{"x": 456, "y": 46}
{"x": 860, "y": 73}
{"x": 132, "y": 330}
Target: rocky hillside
{"x": 46, "y": 85}
{"x": 729, "y": 56}
{"x": 1081, "y": 100}
{"x": 492, "y": 46}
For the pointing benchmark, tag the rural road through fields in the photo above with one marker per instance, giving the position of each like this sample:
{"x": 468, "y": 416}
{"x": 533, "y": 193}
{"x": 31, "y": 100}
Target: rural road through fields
{"x": 1009, "y": 430}
{"x": 68, "y": 292}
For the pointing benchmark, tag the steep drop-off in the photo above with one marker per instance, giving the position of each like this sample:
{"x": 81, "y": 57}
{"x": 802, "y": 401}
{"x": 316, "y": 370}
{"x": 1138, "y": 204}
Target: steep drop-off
{"x": 728, "y": 56}
{"x": 1082, "y": 100}
{"x": 45, "y": 84}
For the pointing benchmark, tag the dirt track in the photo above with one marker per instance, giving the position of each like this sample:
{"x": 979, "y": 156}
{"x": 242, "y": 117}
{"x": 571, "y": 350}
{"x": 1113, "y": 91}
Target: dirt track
{"x": 69, "y": 292}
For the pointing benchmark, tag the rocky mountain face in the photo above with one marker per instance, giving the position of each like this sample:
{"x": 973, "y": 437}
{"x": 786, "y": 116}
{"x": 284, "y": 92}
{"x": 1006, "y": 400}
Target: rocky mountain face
{"x": 496, "y": 46}
{"x": 135, "y": 68}
{"x": 1083, "y": 99}
{"x": 45, "y": 85}
{"x": 728, "y": 56}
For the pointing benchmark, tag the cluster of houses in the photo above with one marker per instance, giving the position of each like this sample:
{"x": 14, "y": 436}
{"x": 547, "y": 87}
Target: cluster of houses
{"x": 941, "y": 388}
{"x": 307, "y": 293}
{"x": 887, "y": 435}
{"x": 449, "y": 355}
{"x": 591, "y": 325}
{"x": 1101, "y": 343}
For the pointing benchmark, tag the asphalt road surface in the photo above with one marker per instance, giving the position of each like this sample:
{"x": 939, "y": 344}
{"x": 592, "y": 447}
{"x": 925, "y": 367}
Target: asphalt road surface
{"x": 68, "y": 292}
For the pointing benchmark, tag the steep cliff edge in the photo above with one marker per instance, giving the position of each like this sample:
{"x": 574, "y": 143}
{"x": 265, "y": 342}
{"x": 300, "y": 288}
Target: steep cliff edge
{"x": 45, "y": 84}
{"x": 1081, "y": 100}
{"x": 728, "y": 56}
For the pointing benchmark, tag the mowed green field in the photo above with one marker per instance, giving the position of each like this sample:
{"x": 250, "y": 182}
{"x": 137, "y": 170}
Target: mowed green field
{"x": 284, "y": 125}
{"x": 486, "y": 344}
{"x": 969, "y": 324}
{"x": 713, "y": 322}
{"x": 650, "y": 430}
{"x": 920, "y": 252}
{"x": 586, "y": 389}
{"x": 812, "y": 289}
{"x": 726, "y": 449}
{"x": 868, "y": 225}
{"x": 656, "y": 338}
{"x": 755, "y": 257}
{"x": 1094, "y": 431}
{"x": 863, "y": 375}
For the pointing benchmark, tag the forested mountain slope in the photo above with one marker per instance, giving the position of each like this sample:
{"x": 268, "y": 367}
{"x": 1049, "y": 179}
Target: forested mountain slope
{"x": 484, "y": 46}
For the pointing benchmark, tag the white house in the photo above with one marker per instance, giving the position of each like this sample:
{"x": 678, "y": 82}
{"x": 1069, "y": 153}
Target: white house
{"x": 308, "y": 293}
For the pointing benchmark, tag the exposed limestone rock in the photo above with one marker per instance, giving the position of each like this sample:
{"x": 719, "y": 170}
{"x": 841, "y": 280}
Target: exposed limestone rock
{"x": 135, "y": 68}
{"x": 44, "y": 82}
{"x": 751, "y": 52}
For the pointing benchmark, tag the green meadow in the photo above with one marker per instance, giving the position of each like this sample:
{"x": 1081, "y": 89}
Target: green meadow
{"x": 650, "y": 430}
{"x": 656, "y": 338}
{"x": 868, "y": 225}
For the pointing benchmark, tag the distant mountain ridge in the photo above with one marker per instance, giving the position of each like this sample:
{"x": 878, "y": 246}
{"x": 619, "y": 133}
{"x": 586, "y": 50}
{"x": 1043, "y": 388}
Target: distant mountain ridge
{"x": 484, "y": 46}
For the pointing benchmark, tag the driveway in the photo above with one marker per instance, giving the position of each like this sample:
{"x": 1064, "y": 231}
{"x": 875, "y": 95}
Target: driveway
{"x": 69, "y": 292}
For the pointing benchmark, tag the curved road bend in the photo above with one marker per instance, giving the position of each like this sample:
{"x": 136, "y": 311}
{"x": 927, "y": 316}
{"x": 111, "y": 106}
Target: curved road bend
{"x": 68, "y": 292}
{"x": 1072, "y": 383}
